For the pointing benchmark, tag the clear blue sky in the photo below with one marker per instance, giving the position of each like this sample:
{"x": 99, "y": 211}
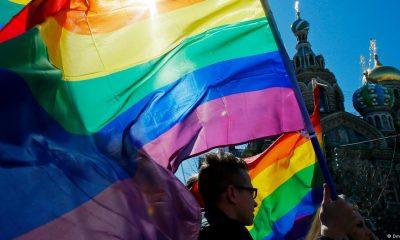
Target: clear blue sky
{"x": 340, "y": 30}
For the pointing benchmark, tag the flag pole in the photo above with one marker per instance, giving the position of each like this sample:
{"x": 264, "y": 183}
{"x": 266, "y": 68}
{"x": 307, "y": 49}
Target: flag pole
{"x": 292, "y": 76}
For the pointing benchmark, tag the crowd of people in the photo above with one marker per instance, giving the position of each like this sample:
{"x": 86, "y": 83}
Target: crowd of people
{"x": 228, "y": 197}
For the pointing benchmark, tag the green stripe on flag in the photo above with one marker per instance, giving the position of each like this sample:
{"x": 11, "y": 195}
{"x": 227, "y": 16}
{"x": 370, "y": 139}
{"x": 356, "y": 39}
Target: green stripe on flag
{"x": 118, "y": 92}
{"x": 284, "y": 198}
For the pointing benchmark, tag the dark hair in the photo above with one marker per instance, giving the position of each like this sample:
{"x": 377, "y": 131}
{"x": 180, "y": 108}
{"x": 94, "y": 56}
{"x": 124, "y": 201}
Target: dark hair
{"x": 216, "y": 173}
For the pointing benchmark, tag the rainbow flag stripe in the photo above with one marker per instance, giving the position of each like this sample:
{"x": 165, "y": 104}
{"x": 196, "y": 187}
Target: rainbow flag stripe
{"x": 109, "y": 78}
{"x": 85, "y": 81}
{"x": 8, "y": 8}
{"x": 289, "y": 182}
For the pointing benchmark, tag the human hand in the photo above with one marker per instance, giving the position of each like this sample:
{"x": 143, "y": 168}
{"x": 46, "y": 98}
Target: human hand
{"x": 336, "y": 217}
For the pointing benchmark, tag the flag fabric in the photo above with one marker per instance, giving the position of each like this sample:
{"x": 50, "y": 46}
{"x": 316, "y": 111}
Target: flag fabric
{"x": 82, "y": 81}
{"x": 8, "y": 8}
{"x": 59, "y": 185}
{"x": 183, "y": 82}
{"x": 289, "y": 183}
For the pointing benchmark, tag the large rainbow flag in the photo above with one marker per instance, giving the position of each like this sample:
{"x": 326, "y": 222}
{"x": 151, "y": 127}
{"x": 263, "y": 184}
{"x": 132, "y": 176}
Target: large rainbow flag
{"x": 289, "y": 183}
{"x": 84, "y": 83}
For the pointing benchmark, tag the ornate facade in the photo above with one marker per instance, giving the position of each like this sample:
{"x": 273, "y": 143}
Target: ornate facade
{"x": 363, "y": 151}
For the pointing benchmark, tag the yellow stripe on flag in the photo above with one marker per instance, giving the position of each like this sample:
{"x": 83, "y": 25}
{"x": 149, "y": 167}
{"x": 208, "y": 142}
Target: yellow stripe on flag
{"x": 110, "y": 52}
{"x": 282, "y": 170}
{"x": 22, "y": 2}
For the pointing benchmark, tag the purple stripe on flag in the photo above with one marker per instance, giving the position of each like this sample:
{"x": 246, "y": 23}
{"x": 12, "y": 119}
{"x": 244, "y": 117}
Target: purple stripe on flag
{"x": 232, "y": 119}
{"x": 143, "y": 207}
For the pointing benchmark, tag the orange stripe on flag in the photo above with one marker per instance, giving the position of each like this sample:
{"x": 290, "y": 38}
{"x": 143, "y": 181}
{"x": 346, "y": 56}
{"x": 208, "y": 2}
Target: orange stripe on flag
{"x": 88, "y": 17}
{"x": 277, "y": 153}
{"x": 106, "y": 16}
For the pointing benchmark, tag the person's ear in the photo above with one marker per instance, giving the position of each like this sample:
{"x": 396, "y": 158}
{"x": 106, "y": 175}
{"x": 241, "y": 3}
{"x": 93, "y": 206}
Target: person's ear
{"x": 231, "y": 194}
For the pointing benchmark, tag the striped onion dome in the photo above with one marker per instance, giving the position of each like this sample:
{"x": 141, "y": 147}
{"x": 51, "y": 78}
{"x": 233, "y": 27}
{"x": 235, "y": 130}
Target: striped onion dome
{"x": 300, "y": 25}
{"x": 372, "y": 97}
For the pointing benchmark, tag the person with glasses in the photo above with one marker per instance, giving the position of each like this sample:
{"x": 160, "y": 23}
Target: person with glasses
{"x": 228, "y": 196}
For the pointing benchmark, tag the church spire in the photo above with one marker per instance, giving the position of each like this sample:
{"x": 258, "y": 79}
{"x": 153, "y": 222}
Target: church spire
{"x": 305, "y": 57}
{"x": 297, "y": 8}
{"x": 308, "y": 66}
{"x": 300, "y": 27}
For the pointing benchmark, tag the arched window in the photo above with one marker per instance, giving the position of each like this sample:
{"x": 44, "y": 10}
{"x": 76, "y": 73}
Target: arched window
{"x": 372, "y": 121}
{"x": 391, "y": 122}
{"x": 378, "y": 122}
{"x": 338, "y": 99}
{"x": 385, "y": 122}
{"x": 311, "y": 60}
{"x": 322, "y": 101}
{"x": 369, "y": 120}
{"x": 396, "y": 93}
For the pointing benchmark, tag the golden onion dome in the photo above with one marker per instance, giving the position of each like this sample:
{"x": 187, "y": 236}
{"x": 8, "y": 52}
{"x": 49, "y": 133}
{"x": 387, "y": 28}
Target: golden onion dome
{"x": 383, "y": 73}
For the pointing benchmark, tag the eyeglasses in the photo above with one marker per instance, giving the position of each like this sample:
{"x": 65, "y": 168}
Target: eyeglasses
{"x": 250, "y": 189}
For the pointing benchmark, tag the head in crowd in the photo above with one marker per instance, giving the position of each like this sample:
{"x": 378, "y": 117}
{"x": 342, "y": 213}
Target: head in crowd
{"x": 356, "y": 230}
{"x": 224, "y": 183}
{"x": 359, "y": 230}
